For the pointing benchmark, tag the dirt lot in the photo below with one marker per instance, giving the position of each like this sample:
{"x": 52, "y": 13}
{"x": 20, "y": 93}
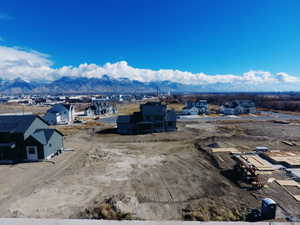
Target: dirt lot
{"x": 17, "y": 108}
{"x": 155, "y": 176}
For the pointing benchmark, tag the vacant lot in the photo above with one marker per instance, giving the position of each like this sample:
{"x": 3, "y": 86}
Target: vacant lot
{"x": 154, "y": 176}
{"x": 17, "y": 108}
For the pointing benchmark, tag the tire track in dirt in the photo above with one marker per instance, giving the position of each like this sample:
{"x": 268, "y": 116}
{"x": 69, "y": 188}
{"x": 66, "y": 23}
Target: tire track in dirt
{"x": 37, "y": 181}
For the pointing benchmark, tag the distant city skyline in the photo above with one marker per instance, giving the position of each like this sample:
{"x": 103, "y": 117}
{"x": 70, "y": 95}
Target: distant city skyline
{"x": 192, "y": 42}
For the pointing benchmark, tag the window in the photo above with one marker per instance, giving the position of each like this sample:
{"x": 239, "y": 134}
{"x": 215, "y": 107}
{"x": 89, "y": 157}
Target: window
{"x": 50, "y": 145}
{"x": 31, "y": 150}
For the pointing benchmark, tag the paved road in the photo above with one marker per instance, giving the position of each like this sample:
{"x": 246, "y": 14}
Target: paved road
{"x": 112, "y": 119}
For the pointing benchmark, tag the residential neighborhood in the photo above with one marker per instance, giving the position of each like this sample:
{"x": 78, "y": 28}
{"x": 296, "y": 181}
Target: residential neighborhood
{"x": 171, "y": 137}
{"x": 150, "y": 112}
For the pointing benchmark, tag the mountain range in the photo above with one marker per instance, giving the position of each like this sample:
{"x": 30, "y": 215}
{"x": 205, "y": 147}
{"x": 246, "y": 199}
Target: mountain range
{"x": 107, "y": 84}
{"x": 74, "y": 85}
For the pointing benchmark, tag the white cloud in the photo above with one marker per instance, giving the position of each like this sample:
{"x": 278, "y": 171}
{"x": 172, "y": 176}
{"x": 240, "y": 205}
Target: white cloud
{"x": 32, "y": 65}
{"x": 27, "y": 64}
{"x": 284, "y": 77}
{"x": 122, "y": 69}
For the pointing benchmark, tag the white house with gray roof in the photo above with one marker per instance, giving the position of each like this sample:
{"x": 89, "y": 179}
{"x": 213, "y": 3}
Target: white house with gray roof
{"x": 60, "y": 114}
{"x": 195, "y": 108}
{"x": 103, "y": 106}
{"x": 237, "y": 107}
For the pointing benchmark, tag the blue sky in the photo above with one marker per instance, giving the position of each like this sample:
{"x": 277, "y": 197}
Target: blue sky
{"x": 209, "y": 36}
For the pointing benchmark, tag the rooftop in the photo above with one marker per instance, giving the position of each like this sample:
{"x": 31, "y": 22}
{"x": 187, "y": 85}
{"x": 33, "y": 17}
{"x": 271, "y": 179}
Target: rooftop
{"x": 16, "y": 123}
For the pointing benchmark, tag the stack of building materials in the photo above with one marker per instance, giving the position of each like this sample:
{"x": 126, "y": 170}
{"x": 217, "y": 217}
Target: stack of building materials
{"x": 288, "y": 158}
{"x": 286, "y": 183}
{"x": 230, "y": 150}
{"x": 257, "y": 162}
{"x": 261, "y": 149}
{"x": 294, "y": 173}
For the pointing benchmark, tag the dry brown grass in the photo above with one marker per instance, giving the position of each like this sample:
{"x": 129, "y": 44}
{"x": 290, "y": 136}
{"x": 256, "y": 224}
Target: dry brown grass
{"x": 212, "y": 212}
{"x": 280, "y": 111}
{"x": 126, "y": 109}
{"x": 67, "y": 130}
{"x": 287, "y": 112}
{"x": 213, "y": 107}
{"x": 107, "y": 210}
{"x": 176, "y": 106}
{"x": 91, "y": 123}
{"x": 16, "y": 108}
{"x": 235, "y": 121}
{"x": 83, "y": 118}
{"x": 234, "y": 129}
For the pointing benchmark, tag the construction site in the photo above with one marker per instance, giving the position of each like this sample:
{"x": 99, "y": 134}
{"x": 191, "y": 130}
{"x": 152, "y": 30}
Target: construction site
{"x": 206, "y": 170}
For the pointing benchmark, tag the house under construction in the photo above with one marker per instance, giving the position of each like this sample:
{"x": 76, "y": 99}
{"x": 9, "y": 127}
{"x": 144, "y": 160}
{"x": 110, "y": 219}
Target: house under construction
{"x": 153, "y": 117}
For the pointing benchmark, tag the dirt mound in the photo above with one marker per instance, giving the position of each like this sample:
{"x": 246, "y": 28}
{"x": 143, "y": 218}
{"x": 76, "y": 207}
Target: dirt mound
{"x": 213, "y": 210}
{"x": 117, "y": 207}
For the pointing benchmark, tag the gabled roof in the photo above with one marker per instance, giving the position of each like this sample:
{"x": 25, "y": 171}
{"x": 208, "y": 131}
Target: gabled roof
{"x": 241, "y": 103}
{"x": 17, "y": 123}
{"x": 55, "y": 108}
{"x": 152, "y": 103}
{"x": 44, "y": 135}
{"x": 67, "y": 106}
{"x": 245, "y": 103}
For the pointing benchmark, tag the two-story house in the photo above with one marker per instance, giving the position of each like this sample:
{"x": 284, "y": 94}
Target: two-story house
{"x": 27, "y": 138}
{"x": 195, "y": 108}
{"x": 237, "y": 107}
{"x": 60, "y": 114}
{"x": 153, "y": 117}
